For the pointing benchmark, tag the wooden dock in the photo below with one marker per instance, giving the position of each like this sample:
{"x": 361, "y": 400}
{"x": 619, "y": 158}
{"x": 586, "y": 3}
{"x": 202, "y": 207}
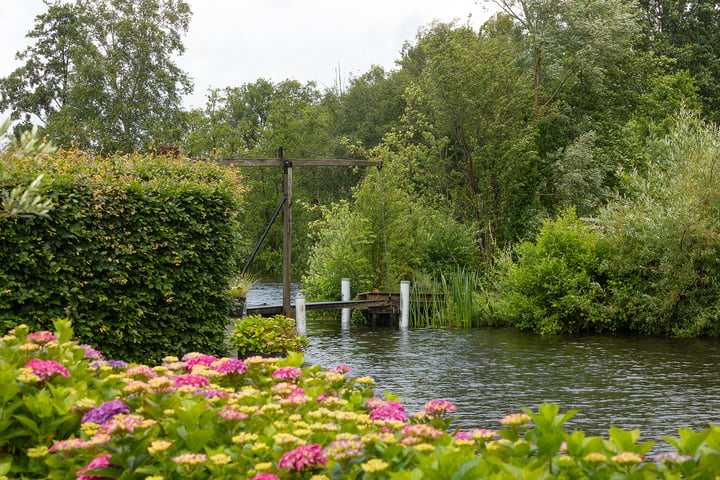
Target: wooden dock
{"x": 373, "y": 304}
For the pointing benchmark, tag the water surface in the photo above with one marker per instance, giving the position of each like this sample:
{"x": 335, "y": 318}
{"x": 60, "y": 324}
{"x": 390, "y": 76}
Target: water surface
{"x": 654, "y": 384}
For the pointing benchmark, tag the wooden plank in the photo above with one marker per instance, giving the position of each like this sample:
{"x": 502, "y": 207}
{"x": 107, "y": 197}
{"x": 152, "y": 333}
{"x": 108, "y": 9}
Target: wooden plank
{"x": 354, "y": 304}
{"x": 296, "y": 162}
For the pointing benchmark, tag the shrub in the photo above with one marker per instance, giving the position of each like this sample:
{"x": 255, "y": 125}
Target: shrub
{"x": 557, "y": 283}
{"x": 665, "y": 237}
{"x": 258, "y": 334}
{"x": 139, "y": 252}
{"x": 68, "y": 413}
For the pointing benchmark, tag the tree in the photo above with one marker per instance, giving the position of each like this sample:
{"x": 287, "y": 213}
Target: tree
{"x": 391, "y": 229}
{"x": 474, "y": 93}
{"x": 571, "y": 40}
{"x": 369, "y": 107}
{"x": 688, "y": 31}
{"x": 101, "y": 74}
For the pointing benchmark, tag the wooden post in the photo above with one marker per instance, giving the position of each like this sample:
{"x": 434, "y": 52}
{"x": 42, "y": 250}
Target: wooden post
{"x": 287, "y": 227}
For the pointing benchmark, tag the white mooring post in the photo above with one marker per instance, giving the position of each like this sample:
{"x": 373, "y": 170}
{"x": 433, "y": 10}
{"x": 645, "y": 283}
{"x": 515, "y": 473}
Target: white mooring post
{"x": 404, "y": 304}
{"x": 300, "y": 317}
{"x": 345, "y": 297}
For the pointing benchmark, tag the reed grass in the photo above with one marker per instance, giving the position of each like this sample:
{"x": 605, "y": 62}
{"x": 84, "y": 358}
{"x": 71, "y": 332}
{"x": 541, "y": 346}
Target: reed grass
{"x": 447, "y": 301}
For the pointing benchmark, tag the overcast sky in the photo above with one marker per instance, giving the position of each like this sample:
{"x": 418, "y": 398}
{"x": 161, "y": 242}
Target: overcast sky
{"x": 231, "y": 42}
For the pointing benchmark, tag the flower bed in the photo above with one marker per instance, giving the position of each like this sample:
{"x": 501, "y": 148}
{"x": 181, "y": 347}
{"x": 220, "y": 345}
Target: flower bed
{"x": 69, "y": 413}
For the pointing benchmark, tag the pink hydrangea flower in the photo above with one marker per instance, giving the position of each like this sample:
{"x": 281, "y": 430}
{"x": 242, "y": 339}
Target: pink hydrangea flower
{"x": 287, "y": 373}
{"x": 100, "y": 461}
{"x": 231, "y": 414}
{"x": 47, "y": 368}
{"x": 140, "y": 371}
{"x": 41, "y": 338}
{"x": 439, "y": 407}
{"x": 388, "y": 413}
{"x": 463, "y": 436}
{"x": 206, "y": 360}
{"x": 190, "y": 379}
{"x": 230, "y": 365}
{"x": 265, "y": 476}
{"x": 422, "y": 431}
{"x": 386, "y": 409}
{"x": 303, "y": 456}
{"x": 341, "y": 369}
{"x": 68, "y": 445}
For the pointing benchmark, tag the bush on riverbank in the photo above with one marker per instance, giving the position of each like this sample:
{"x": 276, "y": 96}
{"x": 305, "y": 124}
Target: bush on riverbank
{"x": 649, "y": 264}
{"x": 70, "y": 413}
{"x": 557, "y": 283}
{"x": 138, "y": 252}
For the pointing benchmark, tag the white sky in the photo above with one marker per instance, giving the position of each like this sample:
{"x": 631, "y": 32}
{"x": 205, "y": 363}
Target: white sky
{"x": 231, "y": 42}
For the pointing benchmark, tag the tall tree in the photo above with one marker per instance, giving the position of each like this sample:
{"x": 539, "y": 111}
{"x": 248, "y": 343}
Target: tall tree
{"x": 571, "y": 39}
{"x": 101, "y": 73}
{"x": 688, "y": 31}
{"x": 475, "y": 94}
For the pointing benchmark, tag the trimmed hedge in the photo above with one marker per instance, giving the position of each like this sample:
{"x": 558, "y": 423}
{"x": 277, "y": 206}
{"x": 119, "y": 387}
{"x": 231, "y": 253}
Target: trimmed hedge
{"x": 138, "y": 252}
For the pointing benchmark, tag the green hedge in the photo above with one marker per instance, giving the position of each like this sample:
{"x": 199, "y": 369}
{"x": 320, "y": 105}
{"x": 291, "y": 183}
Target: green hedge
{"x": 138, "y": 252}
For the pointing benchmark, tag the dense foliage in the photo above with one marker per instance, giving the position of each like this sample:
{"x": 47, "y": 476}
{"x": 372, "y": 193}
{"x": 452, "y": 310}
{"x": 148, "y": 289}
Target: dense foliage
{"x": 258, "y": 335}
{"x": 647, "y": 264}
{"x": 486, "y": 135}
{"x": 555, "y": 284}
{"x": 138, "y": 251}
{"x": 68, "y": 413}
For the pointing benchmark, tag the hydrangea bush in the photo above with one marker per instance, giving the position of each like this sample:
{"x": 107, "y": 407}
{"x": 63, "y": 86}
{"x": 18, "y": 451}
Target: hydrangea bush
{"x": 67, "y": 413}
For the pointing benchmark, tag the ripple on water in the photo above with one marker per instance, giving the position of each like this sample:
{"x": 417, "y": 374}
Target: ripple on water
{"x": 656, "y": 385}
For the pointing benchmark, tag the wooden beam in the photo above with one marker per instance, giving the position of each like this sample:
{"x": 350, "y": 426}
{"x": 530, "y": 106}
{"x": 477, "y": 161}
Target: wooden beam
{"x": 287, "y": 238}
{"x": 296, "y": 162}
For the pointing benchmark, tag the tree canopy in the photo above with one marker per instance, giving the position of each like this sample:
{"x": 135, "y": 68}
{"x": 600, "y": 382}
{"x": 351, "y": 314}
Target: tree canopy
{"x": 101, "y": 74}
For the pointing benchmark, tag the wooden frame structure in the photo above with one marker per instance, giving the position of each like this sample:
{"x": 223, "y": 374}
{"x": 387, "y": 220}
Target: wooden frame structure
{"x": 287, "y": 164}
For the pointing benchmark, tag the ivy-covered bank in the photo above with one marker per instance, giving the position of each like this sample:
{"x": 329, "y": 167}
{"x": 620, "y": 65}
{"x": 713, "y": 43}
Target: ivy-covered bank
{"x": 138, "y": 251}
{"x": 68, "y": 412}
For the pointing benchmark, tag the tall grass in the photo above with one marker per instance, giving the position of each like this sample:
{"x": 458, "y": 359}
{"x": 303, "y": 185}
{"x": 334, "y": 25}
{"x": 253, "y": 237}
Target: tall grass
{"x": 447, "y": 301}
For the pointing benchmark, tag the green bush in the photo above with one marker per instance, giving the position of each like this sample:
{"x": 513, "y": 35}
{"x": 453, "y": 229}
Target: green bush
{"x": 138, "y": 252}
{"x": 556, "y": 284}
{"x": 665, "y": 237}
{"x": 256, "y": 334}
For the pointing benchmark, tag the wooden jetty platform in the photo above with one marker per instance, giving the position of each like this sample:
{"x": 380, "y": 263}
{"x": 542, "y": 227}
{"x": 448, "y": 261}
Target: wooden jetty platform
{"x": 372, "y": 303}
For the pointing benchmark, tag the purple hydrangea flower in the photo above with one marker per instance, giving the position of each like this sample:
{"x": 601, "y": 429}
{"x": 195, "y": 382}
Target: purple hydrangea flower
{"x": 101, "y": 414}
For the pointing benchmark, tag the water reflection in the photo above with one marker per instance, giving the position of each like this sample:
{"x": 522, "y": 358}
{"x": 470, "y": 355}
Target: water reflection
{"x": 656, "y": 385}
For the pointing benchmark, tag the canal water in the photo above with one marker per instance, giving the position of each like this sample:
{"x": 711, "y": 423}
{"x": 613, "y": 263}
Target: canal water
{"x": 654, "y": 384}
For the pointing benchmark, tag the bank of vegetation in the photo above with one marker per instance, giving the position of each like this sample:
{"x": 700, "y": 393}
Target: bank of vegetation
{"x": 562, "y": 153}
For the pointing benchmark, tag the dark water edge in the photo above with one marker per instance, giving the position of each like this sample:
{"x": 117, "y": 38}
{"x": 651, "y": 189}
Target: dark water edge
{"x": 655, "y": 384}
